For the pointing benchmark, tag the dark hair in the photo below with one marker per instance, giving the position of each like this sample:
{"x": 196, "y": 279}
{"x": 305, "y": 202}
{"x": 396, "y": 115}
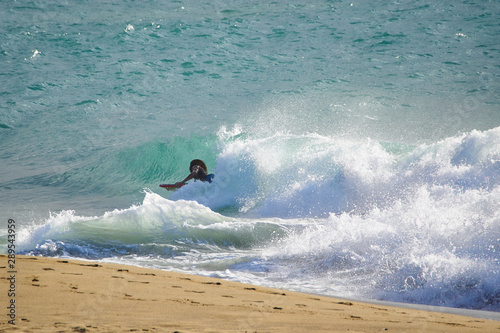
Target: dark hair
{"x": 197, "y": 162}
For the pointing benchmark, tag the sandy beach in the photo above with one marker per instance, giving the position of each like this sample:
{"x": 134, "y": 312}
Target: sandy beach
{"x": 59, "y": 295}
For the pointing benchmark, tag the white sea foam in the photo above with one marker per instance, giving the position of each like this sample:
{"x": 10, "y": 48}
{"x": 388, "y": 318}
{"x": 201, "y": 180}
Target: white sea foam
{"x": 344, "y": 218}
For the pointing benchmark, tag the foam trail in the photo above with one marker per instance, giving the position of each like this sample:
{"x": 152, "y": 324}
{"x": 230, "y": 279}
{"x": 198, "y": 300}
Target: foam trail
{"x": 424, "y": 250}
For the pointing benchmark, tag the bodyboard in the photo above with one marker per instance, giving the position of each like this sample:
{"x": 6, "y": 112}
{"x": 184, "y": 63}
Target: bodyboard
{"x": 171, "y": 187}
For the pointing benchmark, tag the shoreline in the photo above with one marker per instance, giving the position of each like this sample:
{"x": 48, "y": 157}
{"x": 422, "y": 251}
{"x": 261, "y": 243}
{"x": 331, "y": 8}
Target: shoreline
{"x": 482, "y": 314}
{"x": 66, "y": 295}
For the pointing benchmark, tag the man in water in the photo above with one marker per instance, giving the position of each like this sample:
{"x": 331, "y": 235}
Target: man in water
{"x": 198, "y": 171}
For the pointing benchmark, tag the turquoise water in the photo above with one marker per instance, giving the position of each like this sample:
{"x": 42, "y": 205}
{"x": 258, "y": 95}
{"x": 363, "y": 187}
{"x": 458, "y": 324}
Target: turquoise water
{"x": 356, "y": 145}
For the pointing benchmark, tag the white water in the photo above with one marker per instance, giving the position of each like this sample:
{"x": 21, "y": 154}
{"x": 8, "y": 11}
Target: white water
{"x": 312, "y": 213}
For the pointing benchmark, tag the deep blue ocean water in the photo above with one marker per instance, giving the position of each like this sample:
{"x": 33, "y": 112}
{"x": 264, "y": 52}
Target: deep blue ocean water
{"x": 356, "y": 145}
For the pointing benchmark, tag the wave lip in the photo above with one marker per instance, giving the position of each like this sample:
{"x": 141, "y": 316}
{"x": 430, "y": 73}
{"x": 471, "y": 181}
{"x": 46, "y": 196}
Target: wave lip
{"x": 157, "y": 227}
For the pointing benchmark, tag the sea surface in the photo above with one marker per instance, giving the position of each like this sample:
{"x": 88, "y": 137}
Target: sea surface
{"x": 355, "y": 144}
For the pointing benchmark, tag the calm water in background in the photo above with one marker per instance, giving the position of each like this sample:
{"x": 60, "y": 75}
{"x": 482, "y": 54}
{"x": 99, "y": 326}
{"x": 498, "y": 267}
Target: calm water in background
{"x": 356, "y": 145}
